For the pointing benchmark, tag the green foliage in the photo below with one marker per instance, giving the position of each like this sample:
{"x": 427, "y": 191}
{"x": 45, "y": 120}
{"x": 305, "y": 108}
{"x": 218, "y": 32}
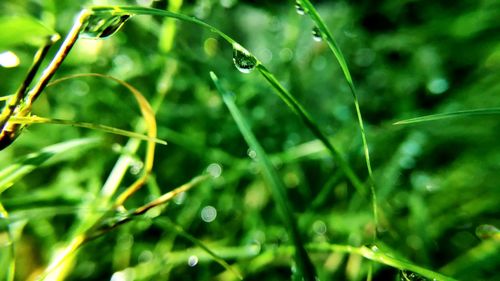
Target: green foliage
{"x": 435, "y": 180}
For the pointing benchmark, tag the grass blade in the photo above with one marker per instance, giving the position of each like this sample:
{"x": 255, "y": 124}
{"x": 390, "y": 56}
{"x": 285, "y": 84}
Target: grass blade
{"x": 11, "y": 174}
{"x": 276, "y": 185}
{"x": 332, "y": 44}
{"x": 455, "y": 114}
{"x": 103, "y": 128}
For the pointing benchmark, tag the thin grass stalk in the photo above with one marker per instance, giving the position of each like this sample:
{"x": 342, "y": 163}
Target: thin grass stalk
{"x": 332, "y": 44}
{"x": 278, "y": 190}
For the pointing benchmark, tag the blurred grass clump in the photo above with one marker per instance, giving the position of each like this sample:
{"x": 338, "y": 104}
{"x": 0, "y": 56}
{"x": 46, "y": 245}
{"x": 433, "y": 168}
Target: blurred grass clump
{"x": 436, "y": 182}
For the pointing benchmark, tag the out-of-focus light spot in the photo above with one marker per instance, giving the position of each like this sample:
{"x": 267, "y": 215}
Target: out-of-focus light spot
{"x": 208, "y": 214}
{"x": 227, "y": 3}
{"x": 286, "y": 54}
{"x": 215, "y": 170}
{"x": 180, "y": 198}
{"x": 210, "y": 46}
{"x": 265, "y": 55}
{"x": 9, "y": 59}
{"x": 192, "y": 261}
{"x": 437, "y": 86}
{"x": 319, "y": 227}
{"x": 124, "y": 275}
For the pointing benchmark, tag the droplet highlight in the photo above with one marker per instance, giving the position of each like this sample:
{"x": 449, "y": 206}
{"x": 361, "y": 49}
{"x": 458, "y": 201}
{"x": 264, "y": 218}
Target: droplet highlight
{"x": 192, "y": 261}
{"x": 208, "y": 214}
{"x": 298, "y": 7}
{"x": 316, "y": 34}
{"x": 99, "y": 26}
{"x": 244, "y": 61}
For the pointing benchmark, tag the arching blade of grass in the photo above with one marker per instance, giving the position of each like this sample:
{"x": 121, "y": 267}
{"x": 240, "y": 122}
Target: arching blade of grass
{"x": 327, "y": 36}
{"x": 312, "y": 125}
{"x": 283, "y": 94}
{"x": 375, "y": 254}
{"x": 149, "y": 117}
{"x": 12, "y": 173}
{"x": 278, "y": 190}
{"x": 455, "y": 114}
{"x": 104, "y": 128}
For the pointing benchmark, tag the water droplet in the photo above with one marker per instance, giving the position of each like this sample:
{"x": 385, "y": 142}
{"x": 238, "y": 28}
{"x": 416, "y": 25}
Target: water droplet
{"x": 180, "y": 198}
{"x": 192, "y": 261}
{"x": 244, "y": 61}
{"x": 316, "y": 34}
{"x": 136, "y": 167}
{"x": 319, "y": 227}
{"x": 208, "y": 214}
{"x": 99, "y": 26}
{"x": 215, "y": 170}
{"x": 437, "y": 86}
{"x": 251, "y": 153}
{"x": 407, "y": 275}
{"x": 487, "y": 231}
{"x": 298, "y": 7}
{"x": 9, "y": 59}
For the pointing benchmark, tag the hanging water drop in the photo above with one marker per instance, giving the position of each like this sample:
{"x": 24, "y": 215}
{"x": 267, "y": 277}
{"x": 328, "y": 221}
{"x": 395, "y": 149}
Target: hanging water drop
{"x": 406, "y": 275}
{"x": 298, "y": 7}
{"x": 243, "y": 60}
{"x": 98, "y": 26}
{"x": 316, "y": 34}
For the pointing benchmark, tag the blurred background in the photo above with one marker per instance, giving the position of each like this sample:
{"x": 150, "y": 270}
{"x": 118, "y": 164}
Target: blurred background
{"x": 437, "y": 182}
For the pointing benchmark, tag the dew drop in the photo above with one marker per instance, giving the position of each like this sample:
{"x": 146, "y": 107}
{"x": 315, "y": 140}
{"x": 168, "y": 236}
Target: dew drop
{"x": 407, "y": 275}
{"x": 298, "y": 7}
{"x": 316, "y": 34}
{"x": 9, "y": 59}
{"x": 99, "y": 26}
{"x": 208, "y": 214}
{"x": 192, "y": 261}
{"x": 487, "y": 231}
{"x": 243, "y": 60}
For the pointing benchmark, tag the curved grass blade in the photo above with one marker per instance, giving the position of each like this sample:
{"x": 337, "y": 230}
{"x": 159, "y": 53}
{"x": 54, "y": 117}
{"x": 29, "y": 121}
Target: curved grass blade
{"x": 332, "y": 44}
{"x": 12, "y": 173}
{"x": 149, "y": 117}
{"x": 103, "y": 128}
{"x": 455, "y": 114}
{"x": 283, "y": 94}
{"x": 278, "y": 190}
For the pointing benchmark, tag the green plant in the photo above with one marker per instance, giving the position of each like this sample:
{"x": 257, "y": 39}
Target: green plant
{"x": 298, "y": 205}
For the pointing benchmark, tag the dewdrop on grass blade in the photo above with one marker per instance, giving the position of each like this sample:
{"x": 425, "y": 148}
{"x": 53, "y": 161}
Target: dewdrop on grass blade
{"x": 316, "y": 34}
{"x": 298, "y": 7}
{"x": 102, "y": 26}
{"x": 244, "y": 61}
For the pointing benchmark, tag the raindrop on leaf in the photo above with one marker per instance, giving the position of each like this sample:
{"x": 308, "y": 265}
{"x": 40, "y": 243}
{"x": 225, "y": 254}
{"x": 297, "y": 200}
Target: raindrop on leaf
{"x": 298, "y": 7}
{"x": 99, "y": 26}
{"x": 406, "y": 275}
{"x": 316, "y": 34}
{"x": 243, "y": 60}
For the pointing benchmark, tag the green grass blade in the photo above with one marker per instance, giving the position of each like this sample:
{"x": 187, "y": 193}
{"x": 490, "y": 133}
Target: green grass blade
{"x": 11, "y": 174}
{"x": 332, "y": 44}
{"x": 103, "y": 128}
{"x": 297, "y": 108}
{"x": 455, "y": 114}
{"x": 277, "y": 187}
{"x": 377, "y": 255}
